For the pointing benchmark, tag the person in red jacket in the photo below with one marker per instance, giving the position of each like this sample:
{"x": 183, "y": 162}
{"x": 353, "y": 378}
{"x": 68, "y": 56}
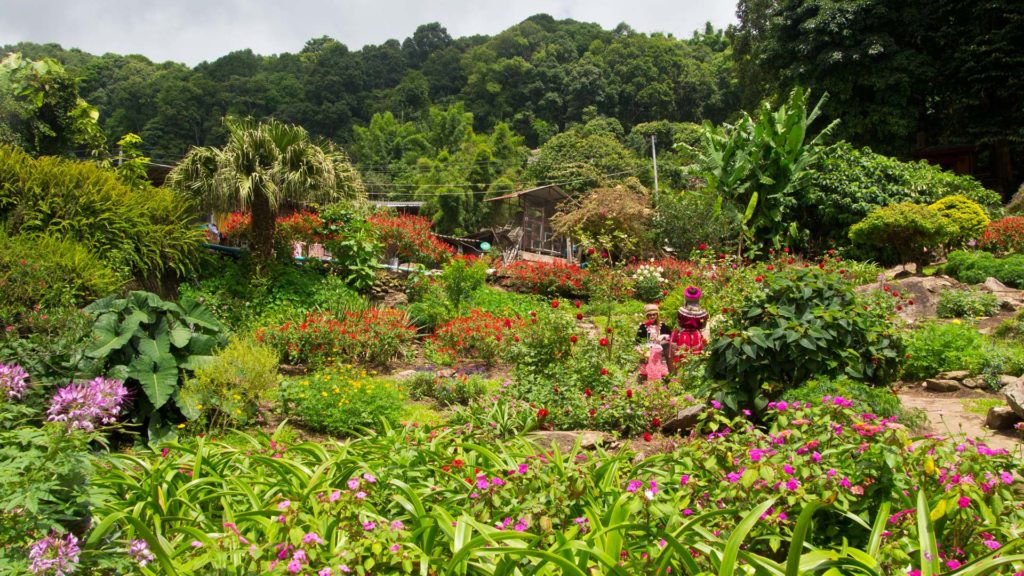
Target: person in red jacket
{"x": 687, "y": 338}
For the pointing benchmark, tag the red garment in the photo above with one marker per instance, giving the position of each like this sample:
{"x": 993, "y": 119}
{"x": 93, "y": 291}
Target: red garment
{"x": 688, "y": 338}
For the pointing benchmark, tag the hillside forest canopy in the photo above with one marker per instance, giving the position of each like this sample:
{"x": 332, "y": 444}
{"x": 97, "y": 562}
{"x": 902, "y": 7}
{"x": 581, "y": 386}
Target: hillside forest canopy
{"x": 430, "y": 110}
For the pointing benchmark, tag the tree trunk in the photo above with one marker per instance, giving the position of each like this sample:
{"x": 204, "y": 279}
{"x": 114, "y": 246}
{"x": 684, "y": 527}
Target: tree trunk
{"x": 263, "y": 223}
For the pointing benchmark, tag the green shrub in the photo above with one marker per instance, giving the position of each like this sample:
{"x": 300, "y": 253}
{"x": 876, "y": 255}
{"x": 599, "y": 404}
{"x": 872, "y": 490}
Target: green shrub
{"x": 49, "y": 343}
{"x": 685, "y": 221}
{"x": 878, "y": 400}
{"x": 966, "y": 214}
{"x": 226, "y": 391}
{"x": 902, "y": 233}
{"x": 353, "y": 245}
{"x": 975, "y": 267}
{"x": 333, "y": 294}
{"x": 147, "y": 232}
{"x": 461, "y": 278}
{"x": 153, "y": 345}
{"x": 939, "y": 347}
{"x": 970, "y": 303}
{"x": 850, "y": 183}
{"x": 342, "y": 400}
{"x": 799, "y": 324}
{"x": 458, "y": 390}
{"x": 46, "y": 272}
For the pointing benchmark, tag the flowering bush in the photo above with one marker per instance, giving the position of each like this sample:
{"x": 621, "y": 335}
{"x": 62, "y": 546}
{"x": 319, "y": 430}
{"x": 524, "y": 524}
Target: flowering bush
{"x": 88, "y": 405}
{"x": 648, "y": 283}
{"x": 799, "y": 324}
{"x": 341, "y": 400}
{"x": 301, "y": 226}
{"x": 478, "y": 336}
{"x": 547, "y": 278}
{"x": 13, "y": 381}
{"x": 375, "y": 336}
{"x": 440, "y": 500}
{"x": 409, "y": 237}
{"x": 1004, "y": 236}
{"x": 54, "y": 555}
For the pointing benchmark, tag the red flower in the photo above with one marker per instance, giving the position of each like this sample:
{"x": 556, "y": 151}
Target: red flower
{"x": 608, "y": 330}
{"x": 702, "y": 246}
{"x": 656, "y": 422}
{"x": 604, "y": 371}
{"x": 590, "y": 251}
{"x": 647, "y": 436}
{"x": 554, "y": 303}
{"x": 910, "y": 302}
{"x": 587, "y": 392}
{"x": 842, "y": 270}
{"x": 573, "y": 339}
{"x": 770, "y": 267}
{"x": 577, "y": 303}
{"x": 759, "y": 279}
{"x": 603, "y": 342}
{"x": 629, "y": 392}
{"x": 457, "y": 463}
{"x": 786, "y": 250}
{"x": 579, "y": 315}
{"x": 542, "y": 413}
{"x": 533, "y": 313}
{"x": 592, "y": 412}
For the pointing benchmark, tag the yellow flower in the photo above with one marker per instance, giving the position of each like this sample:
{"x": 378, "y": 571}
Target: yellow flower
{"x": 180, "y": 426}
{"x": 237, "y": 397}
{"x": 199, "y": 406}
{"x": 324, "y": 394}
{"x": 956, "y": 321}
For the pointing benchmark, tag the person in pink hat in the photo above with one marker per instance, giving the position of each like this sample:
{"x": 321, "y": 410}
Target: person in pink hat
{"x": 687, "y": 338}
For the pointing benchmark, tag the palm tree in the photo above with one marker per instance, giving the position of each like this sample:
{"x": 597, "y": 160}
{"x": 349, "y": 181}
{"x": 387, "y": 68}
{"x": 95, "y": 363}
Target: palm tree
{"x": 263, "y": 164}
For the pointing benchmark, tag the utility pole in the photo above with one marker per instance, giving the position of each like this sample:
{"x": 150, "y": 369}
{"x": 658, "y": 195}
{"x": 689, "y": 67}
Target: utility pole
{"x": 654, "y": 158}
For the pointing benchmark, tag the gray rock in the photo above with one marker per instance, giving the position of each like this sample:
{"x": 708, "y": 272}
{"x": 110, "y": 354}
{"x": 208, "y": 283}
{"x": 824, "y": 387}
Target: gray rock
{"x": 566, "y": 441}
{"x": 405, "y": 374}
{"x": 1001, "y": 418}
{"x": 975, "y": 382}
{"x": 683, "y": 421}
{"x": 1007, "y": 380}
{"x": 954, "y": 375}
{"x": 1014, "y": 394}
{"x": 938, "y": 385}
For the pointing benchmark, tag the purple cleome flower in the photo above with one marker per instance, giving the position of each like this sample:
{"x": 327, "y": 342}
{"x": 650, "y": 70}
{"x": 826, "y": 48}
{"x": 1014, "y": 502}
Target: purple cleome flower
{"x": 54, "y": 556}
{"x": 13, "y": 381}
{"x": 86, "y": 406}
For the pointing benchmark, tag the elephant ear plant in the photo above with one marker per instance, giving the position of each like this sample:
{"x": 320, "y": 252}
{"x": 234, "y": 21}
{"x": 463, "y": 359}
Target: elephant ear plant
{"x": 153, "y": 345}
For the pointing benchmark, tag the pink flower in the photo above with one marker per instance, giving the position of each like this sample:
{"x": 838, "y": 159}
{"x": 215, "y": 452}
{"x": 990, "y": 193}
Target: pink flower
{"x": 397, "y": 525}
{"x": 792, "y": 484}
{"x": 353, "y": 483}
{"x": 335, "y": 496}
{"x": 684, "y": 479}
{"x": 294, "y": 566}
{"x": 395, "y": 548}
{"x": 523, "y": 468}
{"x": 1006, "y": 477}
{"x": 816, "y": 456}
{"x": 360, "y": 495}
{"x": 634, "y": 485}
{"x": 369, "y": 526}
{"x": 992, "y": 544}
{"x": 369, "y": 478}
{"x": 284, "y": 504}
{"x": 788, "y": 469}
{"x": 964, "y": 502}
{"x": 324, "y": 572}
{"x": 312, "y": 538}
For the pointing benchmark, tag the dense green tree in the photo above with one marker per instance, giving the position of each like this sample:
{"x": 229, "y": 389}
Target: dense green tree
{"x": 41, "y": 111}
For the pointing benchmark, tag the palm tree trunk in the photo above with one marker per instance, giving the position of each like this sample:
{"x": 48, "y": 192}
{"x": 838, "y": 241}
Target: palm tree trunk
{"x": 263, "y": 224}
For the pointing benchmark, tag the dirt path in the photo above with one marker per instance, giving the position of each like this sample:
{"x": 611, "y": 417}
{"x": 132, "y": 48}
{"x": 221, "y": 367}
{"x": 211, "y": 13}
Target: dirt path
{"x": 947, "y": 415}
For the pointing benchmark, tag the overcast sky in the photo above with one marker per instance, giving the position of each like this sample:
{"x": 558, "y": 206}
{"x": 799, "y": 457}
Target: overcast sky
{"x": 191, "y": 31}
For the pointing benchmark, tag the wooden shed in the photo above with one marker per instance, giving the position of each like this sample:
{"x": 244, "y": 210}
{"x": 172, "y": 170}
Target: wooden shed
{"x": 537, "y": 206}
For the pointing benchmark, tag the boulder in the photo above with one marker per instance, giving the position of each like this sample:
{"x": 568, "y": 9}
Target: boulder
{"x": 405, "y": 374}
{"x": 1001, "y": 418}
{"x": 1007, "y": 380}
{"x": 684, "y": 420}
{"x": 1009, "y": 298}
{"x": 566, "y": 440}
{"x": 1014, "y": 394}
{"x": 974, "y": 382}
{"x": 939, "y": 385}
{"x": 923, "y": 291}
{"x": 958, "y": 375}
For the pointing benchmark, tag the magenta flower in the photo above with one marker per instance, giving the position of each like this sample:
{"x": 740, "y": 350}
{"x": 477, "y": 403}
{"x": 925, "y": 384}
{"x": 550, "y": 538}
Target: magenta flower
{"x": 816, "y": 456}
{"x": 1006, "y": 477}
{"x": 369, "y": 478}
{"x": 325, "y": 572}
{"x": 59, "y": 554}
{"x": 86, "y": 406}
{"x": 481, "y": 483}
{"x": 395, "y": 548}
{"x": 788, "y": 469}
{"x": 353, "y": 483}
{"x": 13, "y": 381}
{"x": 792, "y": 484}
{"x": 735, "y": 477}
{"x": 634, "y": 485}
{"x": 684, "y": 479}
{"x": 523, "y": 468}
{"x": 284, "y": 504}
{"x": 360, "y": 495}
{"x": 140, "y": 552}
{"x": 335, "y": 496}
{"x": 312, "y": 538}
{"x": 964, "y": 502}
{"x": 369, "y": 526}
{"x": 397, "y": 525}
{"x": 992, "y": 544}
{"x": 294, "y": 566}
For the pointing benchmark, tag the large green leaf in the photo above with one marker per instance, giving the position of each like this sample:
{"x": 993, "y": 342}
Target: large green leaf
{"x": 109, "y": 334}
{"x": 159, "y": 379}
{"x": 154, "y": 349}
{"x": 179, "y": 333}
{"x": 199, "y": 315}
